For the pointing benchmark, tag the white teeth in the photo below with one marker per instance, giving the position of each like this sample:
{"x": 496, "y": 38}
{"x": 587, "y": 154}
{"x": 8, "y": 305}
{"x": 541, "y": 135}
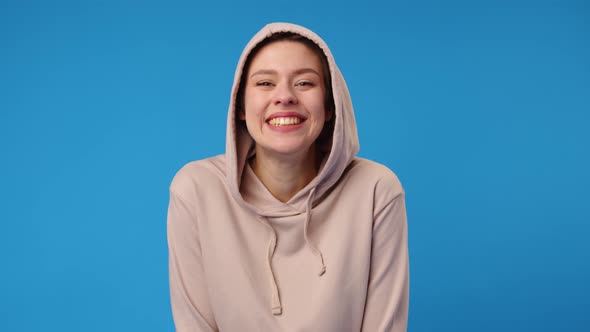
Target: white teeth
{"x": 280, "y": 121}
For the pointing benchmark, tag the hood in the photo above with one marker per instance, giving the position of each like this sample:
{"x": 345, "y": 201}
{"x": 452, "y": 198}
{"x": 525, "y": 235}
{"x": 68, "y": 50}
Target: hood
{"x": 240, "y": 145}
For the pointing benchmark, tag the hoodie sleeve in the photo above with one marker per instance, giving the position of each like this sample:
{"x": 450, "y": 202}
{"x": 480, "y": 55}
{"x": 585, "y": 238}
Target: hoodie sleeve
{"x": 188, "y": 291}
{"x": 386, "y": 308}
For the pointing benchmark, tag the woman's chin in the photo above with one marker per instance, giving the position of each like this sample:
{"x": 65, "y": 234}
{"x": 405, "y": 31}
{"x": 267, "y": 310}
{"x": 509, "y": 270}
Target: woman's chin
{"x": 286, "y": 149}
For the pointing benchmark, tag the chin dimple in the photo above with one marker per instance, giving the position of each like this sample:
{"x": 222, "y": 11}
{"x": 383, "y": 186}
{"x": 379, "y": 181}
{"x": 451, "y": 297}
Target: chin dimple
{"x": 284, "y": 121}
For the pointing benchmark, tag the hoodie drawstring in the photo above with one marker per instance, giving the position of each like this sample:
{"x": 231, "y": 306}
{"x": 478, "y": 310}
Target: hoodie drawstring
{"x": 313, "y": 248}
{"x": 276, "y": 305}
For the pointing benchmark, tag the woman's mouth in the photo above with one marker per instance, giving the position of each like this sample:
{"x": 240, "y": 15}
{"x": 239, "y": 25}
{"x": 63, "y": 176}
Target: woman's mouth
{"x": 285, "y": 121}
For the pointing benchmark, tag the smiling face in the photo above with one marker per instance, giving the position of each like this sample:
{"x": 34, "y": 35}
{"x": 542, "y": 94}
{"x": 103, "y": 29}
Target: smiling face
{"x": 284, "y": 99}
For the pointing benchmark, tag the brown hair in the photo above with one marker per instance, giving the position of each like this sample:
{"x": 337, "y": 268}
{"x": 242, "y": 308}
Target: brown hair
{"x": 325, "y": 136}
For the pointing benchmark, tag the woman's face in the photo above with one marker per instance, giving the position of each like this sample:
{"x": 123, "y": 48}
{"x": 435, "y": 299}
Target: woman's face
{"x": 284, "y": 99}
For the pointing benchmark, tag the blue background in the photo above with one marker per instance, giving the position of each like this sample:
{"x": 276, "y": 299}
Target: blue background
{"x": 480, "y": 107}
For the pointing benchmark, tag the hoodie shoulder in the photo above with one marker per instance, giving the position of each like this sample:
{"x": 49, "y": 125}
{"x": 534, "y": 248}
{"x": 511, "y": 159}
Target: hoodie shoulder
{"x": 384, "y": 181}
{"x": 199, "y": 174}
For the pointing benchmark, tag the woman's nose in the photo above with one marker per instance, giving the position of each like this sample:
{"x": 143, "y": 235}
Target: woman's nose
{"x": 285, "y": 95}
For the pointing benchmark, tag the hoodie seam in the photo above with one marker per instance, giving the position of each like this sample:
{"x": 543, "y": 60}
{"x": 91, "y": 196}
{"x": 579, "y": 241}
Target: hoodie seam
{"x": 186, "y": 202}
{"x": 390, "y": 202}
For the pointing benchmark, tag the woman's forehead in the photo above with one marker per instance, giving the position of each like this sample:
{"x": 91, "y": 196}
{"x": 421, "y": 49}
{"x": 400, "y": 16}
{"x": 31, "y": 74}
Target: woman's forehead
{"x": 285, "y": 55}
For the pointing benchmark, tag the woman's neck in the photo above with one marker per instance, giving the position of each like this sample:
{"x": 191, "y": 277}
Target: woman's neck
{"x": 285, "y": 176}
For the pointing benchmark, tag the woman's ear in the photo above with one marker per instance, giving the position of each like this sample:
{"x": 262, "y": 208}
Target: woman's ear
{"x": 241, "y": 114}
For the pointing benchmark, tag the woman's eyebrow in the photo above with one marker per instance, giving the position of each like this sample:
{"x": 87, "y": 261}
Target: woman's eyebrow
{"x": 305, "y": 71}
{"x": 264, "y": 72}
{"x": 274, "y": 72}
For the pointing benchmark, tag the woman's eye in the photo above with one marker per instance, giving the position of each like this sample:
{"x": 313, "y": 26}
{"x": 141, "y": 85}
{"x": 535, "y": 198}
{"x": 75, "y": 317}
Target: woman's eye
{"x": 263, "y": 84}
{"x": 304, "y": 83}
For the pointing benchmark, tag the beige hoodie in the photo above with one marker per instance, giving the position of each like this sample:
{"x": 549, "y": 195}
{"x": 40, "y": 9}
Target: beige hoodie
{"x": 332, "y": 258}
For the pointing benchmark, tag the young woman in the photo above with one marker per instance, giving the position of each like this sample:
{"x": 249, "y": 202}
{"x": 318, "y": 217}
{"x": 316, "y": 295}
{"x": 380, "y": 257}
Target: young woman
{"x": 288, "y": 230}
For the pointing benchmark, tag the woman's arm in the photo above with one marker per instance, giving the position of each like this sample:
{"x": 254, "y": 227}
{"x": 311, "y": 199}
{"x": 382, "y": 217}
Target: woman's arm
{"x": 188, "y": 290}
{"x": 386, "y": 308}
